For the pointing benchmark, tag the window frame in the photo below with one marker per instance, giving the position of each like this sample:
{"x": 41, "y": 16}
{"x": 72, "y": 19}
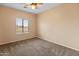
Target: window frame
{"x": 23, "y": 32}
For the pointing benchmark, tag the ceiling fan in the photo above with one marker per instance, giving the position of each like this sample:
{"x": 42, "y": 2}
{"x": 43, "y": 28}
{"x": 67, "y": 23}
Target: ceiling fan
{"x": 33, "y": 5}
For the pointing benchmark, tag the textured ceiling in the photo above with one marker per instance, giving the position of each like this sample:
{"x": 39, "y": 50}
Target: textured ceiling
{"x": 20, "y": 6}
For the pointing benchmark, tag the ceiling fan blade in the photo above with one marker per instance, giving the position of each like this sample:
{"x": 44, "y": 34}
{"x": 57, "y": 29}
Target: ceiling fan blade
{"x": 39, "y": 4}
{"x": 27, "y": 5}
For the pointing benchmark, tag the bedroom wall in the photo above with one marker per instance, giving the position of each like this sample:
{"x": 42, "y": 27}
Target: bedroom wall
{"x": 0, "y": 31}
{"x": 8, "y": 25}
{"x": 60, "y": 25}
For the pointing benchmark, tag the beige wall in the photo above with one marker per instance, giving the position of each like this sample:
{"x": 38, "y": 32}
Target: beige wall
{"x": 60, "y": 25}
{"x": 8, "y": 25}
{"x": 0, "y": 31}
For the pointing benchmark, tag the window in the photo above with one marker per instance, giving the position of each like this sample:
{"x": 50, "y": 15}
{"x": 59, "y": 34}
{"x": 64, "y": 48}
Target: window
{"x": 21, "y": 25}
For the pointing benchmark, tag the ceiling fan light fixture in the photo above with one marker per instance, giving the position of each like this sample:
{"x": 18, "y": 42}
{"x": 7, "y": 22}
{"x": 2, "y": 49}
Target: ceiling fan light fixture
{"x": 33, "y": 6}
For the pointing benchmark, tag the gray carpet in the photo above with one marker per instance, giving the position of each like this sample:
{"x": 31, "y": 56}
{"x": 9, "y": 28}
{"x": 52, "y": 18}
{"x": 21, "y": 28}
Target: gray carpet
{"x": 35, "y": 47}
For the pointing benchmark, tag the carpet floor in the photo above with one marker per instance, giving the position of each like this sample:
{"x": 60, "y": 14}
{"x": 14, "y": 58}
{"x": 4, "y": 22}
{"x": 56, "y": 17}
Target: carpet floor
{"x": 35, "y": 47}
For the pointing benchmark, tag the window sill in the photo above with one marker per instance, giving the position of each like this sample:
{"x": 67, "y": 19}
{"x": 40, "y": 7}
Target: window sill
{"x": 22, "y": 33}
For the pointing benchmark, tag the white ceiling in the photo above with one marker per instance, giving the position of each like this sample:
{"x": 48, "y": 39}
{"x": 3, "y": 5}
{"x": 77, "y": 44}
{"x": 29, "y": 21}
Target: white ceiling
{"x": 20, "y": 6}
